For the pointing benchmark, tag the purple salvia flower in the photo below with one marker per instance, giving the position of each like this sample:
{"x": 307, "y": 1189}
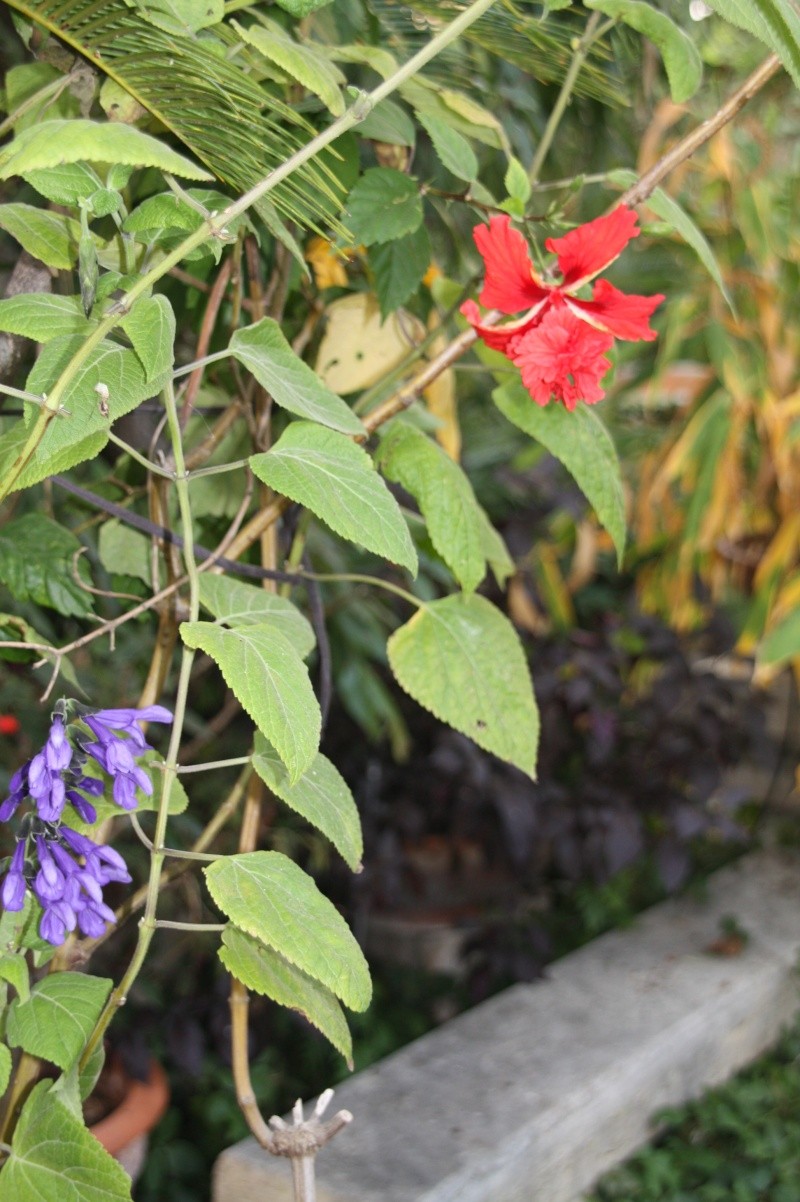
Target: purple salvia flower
{"x": 49, "y": 882}
{"x": 17, "y": 790}
{"x": 57, "y": 750}
{"x": 12, "y": 895}
{"x": 58, "y": 918}
{"x": 83, "y": 808}
{"x": 93, "y": 917}
{"x": 106, "y": 864}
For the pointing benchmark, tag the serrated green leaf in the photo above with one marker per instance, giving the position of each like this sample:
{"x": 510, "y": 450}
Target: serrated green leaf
{"x": 516, "y": 183}
{"x": 581, "y": 442}
{"x": 55, "y": 1159}
{"x": 461, "y": 659}
{"x": 679, "y": 220}
{"x": 150, "y": 325}
{"x": 337, "y": 481}
{"x": 39, "y": 562}
{"x": 43, "y": 316}
{"x": 776, "y": 23}
{"x": 445, "y": 497}
{"x": 300, "y": 60}
{"x": 263, "y": 971}
{"x": 269, "y": 897}
{"x": 51, "y": 143}
{"x": 50, "y": 237}
{"x": 82, "y": 430}
{"x": 782, "y": 643}
{"x": 271, "y": 681}
{"x": 14, "y": 969}
{"x": 321, "y": 796}
{"x": 58, "y": 1017}
{"x": 5, "y": 1072}
{"x": 452, "y": 148}
{"x": 264, "y": 351}
{"x": 495, "y": 551}
{"x": 682, "y": 62}
{"x": 388, "y": 122}
{"x": 385, "y": 204}
{"x": 398, "y": 267}
{"x": 238, "y": 604}
{"x": 68, "y": 184}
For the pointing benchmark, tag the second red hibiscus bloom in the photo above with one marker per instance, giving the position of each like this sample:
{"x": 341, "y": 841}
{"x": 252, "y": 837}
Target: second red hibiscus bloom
{"x": 561, "y": 340}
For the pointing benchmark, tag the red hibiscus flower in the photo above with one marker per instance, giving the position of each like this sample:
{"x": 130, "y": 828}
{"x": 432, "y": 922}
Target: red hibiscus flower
{"x": 560, "y": 341}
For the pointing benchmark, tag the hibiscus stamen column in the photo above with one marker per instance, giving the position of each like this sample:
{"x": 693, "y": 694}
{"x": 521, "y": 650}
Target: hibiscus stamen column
{"x": 147, "y": 924}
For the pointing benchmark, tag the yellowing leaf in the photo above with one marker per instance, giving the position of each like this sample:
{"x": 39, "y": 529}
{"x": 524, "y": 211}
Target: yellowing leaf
{"x": 358, "y": 349}
{"x": 327, "y": 265}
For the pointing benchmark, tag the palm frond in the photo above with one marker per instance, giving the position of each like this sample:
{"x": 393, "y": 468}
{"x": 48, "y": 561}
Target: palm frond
{"x": 512, "y": 29}
{"x": 211, "y": 104}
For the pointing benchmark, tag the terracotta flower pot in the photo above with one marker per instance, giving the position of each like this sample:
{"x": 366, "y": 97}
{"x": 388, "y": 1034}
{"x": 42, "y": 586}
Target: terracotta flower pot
{"x": 124, "y": 1132}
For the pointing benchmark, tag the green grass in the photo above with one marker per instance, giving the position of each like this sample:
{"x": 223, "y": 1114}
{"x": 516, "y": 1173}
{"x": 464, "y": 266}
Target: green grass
{"x": 739, "y": 1143}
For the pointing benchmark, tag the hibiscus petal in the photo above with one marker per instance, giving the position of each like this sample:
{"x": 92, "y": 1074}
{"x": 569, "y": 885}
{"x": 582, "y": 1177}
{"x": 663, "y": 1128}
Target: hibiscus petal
{"x": 584, "y": 252}
{"x": 510, "y": 283}
{"x": 618, "y": 313}
{"x": 563, "y": 358}
{"x": 499, "y": 337}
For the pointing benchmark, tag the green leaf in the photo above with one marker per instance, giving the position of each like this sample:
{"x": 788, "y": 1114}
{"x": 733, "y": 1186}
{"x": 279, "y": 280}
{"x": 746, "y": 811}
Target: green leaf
{"x": 385, "y": 204}
{"x": 150, "y": 325}
{"x": 264, "y": 351}
{"x": 263, "y": 971}
{"x": 300, "y": 60}
{"x": 5, "y": 1073}
{"x": 461, "y": 658}
{"x": 445, "y": 496}
{"x": 43, "y": 316}
{"x": 271, "y": 898}
{"x": 271, "y": 681}
{"x": 68, "y": 184}
{"x": 58, "y": 1017}
{"x": 682, "y": 62}
{"x": 670, "y": 211}
{"x": 238, "y": 604}
{"x": 398, "y": 268}
{"x": 388, "y": 122}
{"x": 14, "y": 969}
{"x": 776, "y": 23}
{"x": 51, "y": 143}
{"x": 82, "y": 430}
{"x": 55, "y": 1159}
{"x": 452, "y": 148}
{"x": 301, "y": 8}
{"x": 517, "y": 184}
{"x": 321, "y": 796}
{"x": 181, "y": 16}
{"x": 782, "y": 643}
{"x": 125, "y": 552}
{"x": 50, "y": 237}
{"x": 496, "y": 552}
{"x": 337, "y": 481}
{"x": 39, "y": 562}
{"x": 581, "y": 442}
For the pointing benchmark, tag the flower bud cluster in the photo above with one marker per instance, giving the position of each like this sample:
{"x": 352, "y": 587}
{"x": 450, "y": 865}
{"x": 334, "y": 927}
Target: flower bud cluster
{"x": 65, "y": 870}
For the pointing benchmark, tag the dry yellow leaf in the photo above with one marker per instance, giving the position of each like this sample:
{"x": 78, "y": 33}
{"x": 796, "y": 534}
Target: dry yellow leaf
{"x": 358, "y": 349}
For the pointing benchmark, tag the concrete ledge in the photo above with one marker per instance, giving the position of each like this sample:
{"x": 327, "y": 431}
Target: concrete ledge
{"x": 532, "y": 1095}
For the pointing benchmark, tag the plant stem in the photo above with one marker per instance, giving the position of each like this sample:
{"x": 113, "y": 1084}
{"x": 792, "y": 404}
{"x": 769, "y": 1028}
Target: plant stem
{"x": 187, "y": 368}
{"x": 147, "y": 925}
{"x": 214, "y": 227}
{"x": 134, "y": 454}
{"x": 559, "y": 108}
{"x": 234, "y": 763}
{"x": 168, "y": 925}
{"x": 358, "y": 578}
